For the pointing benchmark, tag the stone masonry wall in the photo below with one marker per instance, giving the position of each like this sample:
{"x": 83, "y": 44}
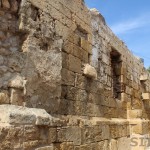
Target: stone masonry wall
{"x": 66, "y": 81}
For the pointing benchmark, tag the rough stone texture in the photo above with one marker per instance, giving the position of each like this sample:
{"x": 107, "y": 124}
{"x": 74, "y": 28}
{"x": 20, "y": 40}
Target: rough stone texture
{"x": 90, "y": 71}
{"x": 66, "y": 81}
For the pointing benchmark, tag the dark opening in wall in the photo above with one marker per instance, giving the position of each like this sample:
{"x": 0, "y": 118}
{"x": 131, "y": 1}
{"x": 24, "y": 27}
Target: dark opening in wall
{"x": 116, "y": 73}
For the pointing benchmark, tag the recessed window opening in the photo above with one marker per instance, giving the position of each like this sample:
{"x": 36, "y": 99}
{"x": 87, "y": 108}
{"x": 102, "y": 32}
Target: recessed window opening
{"x": 116, "y": 73}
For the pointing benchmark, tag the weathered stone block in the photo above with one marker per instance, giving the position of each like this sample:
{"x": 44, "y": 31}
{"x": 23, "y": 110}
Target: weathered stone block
{"x": 17, "y": 82}
{"x": 4, "y": 97}
{"x": 16, "y": 115}
{"x": 65, "y": 61}
{"x": 144, "y": 77}
{"x": 70, "y": 134}
{"x": 67, "y": 146}
{"x": 146, "y": 96}
{"x": 52, "y": 135}
{"x": 74, "y": 64}
{"x": 45, "y": 148}
{"x": 76, "y": 94}
{"x": 17, "y": 97}
{"x": 85, "y": 44}
{"x": 90, "y": 71}
{"x": 137, "y": 113}
{"x": 31, "y": 132}
{"x": 21, "y": 115}
{"x": 68, "y": 77}
{"x": 106, "y": 60}
{"x": 139, "y": 126}
{"x": 81, "y": 81}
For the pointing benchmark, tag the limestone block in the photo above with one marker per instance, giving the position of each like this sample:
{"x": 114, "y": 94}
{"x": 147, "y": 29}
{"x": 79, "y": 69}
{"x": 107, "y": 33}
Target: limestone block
{"x": 90, "y": 71}
{"x": 124, "y": 97}
{"x": 123, "y": 70}
{"x": 139, "y": 126}
{"x": 4, "y": 97}
{"x": 42, "y": 117}
{"x": 123, "y": 79}
{"x": 113, "y": 144}
{"x": 65, "y": 60}
{"x": 33, "y": 144}
{"x": 74, "y": 38}
{"x": 128, "y": 90}
{"x": 105, "y": 132}
{"x": 81, "y": 81}
{"x": 21, "y": 115}
{"x": 70, "y": 134}
{"x": 114, "y": 131}
{"x": 17, "y": 82}
{"x": 106, "y": 60}
{"x": 16, "y": 97}
{"x": 16, "y": 115}
{"x": 137, "y": 113}
{"x": 103, "y": 145}
{"x": 61, "y": 30}
{"x": 85, "y": 146}
{"x": 31, "y": 132}
{"x": 14, "y": 5}
{"x": 86, "y": 45}
{"x": 95, "y": 98}
{"x": 76, "y": 94}
{"x": 124, "y": 143}
{"x": 144, "y": 77}
{"x": 85, "y": 56}
{"x": 68, "y": 77}
{"x": 67, "y": 146}
{"x": 146, "y": 96}
{"x": 74, "y": 64}
{"x": 88, "y": 135}
{"x": 52, "y": 135}
{"x": 45, "y": 148}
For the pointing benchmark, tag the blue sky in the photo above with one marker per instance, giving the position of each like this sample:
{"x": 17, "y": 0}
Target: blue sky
{"x": 130, "y": 21}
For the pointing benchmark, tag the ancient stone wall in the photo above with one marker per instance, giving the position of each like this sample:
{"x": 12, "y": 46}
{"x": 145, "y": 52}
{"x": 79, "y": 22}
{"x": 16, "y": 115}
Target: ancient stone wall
{"x": 66, "y": 81}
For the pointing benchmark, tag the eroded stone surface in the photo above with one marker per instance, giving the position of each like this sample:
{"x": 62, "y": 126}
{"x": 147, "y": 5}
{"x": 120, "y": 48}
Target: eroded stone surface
{"x": 53, "y": 102}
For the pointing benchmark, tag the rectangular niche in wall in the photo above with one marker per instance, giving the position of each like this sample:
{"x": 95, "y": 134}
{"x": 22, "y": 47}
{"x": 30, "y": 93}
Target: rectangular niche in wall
{"x": 116, "y": 64}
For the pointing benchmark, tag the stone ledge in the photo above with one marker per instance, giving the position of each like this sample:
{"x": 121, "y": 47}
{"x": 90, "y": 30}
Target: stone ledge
{"x": 13, "y": 115}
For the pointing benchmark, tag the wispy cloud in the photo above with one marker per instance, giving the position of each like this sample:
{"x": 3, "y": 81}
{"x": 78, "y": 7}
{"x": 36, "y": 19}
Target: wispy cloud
{"x": 132, "y": 24}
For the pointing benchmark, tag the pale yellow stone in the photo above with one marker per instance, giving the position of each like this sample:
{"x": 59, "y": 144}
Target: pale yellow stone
{"x": 146, "y": 96}
{"x": 90, "y": 71}
{"x": 144, "y": 77}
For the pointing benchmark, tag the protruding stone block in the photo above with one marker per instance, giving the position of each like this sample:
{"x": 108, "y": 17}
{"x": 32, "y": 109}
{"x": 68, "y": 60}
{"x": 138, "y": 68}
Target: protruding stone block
{"x": 22, "y": 115}
{"x": 144, "y": 77}
{"x": 17, "y": 82}
{"x": 16, "y": 115}
{"x": 146, "y": 96}
{"x": 90, "y": 71}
